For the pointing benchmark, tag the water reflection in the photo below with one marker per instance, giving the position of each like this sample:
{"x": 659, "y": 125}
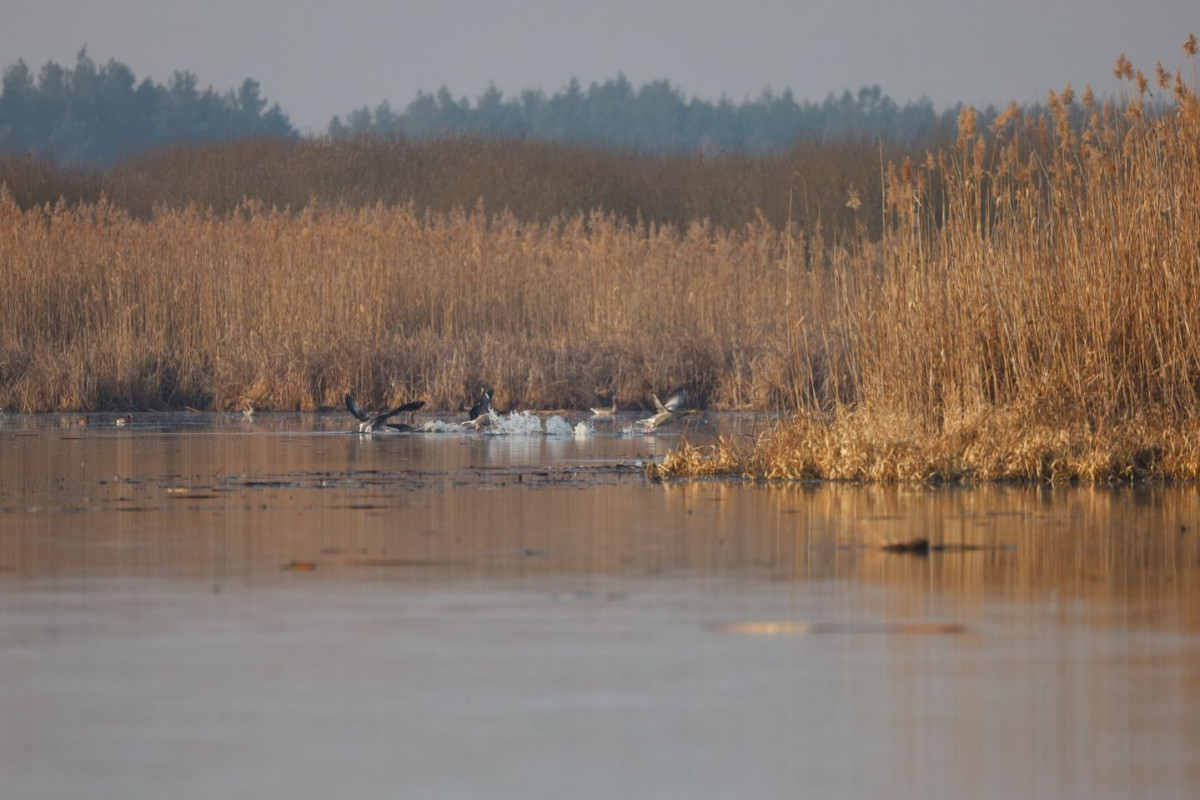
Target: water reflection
{"x": 328, "y": 614}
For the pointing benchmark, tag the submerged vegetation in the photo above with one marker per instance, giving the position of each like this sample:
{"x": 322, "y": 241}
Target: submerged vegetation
{"x": 1020, "y": 304}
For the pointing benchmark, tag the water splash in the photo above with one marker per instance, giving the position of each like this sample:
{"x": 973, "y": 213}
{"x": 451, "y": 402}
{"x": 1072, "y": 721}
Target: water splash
{"x": 515, "y": 423}
{"x": 437, "y": 426}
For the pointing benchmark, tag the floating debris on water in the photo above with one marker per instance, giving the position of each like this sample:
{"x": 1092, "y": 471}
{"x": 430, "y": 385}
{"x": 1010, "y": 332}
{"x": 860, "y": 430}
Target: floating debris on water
{"x": 762, "y": 628}
{"x": 916, "y": 547}
{"x": 923, "y": 547}
{"x": 806, "y": 628}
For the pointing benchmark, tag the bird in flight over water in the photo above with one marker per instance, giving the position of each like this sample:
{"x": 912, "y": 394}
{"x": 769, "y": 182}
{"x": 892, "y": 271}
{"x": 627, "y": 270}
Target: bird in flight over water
{"x": 670, "y": 410}
{"x": 370, "y": 424}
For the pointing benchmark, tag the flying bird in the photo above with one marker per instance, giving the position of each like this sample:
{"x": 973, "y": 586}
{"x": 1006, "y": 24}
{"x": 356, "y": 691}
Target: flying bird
{"x": 370, "y": 424}
{"x": 665, "y": 412}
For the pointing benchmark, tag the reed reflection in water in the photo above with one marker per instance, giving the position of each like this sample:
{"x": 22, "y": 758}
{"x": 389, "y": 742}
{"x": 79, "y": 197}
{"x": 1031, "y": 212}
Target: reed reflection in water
{"x": 193, "y": 607}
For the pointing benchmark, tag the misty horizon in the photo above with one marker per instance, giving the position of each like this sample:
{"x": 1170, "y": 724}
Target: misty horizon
{"x": 96, "y": 113}
{"x": 318, "y": 61}
{"x": 547, "y": 89}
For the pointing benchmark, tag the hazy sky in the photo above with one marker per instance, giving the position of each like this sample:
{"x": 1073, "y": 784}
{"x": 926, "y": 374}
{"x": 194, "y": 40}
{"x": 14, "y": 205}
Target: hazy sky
{"x": 317, "y": 58}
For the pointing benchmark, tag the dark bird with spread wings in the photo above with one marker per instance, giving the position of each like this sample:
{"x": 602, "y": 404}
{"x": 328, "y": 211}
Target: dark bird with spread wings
{"x": 370, "y": 424}
{"x": 483, "y": 405}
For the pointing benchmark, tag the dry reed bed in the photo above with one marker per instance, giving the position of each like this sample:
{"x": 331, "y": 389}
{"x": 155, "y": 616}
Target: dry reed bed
{"x": 1042, "y": 327}
{"x": 102, "y": 310}
{"x": 1004, "y": 445}
{"x": 535, "y": 181}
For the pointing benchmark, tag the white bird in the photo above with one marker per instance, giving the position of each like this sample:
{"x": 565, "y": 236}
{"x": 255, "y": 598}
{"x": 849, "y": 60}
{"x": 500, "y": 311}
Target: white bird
{"x": 665, "y": 412}
{"x": 482, "y": 421}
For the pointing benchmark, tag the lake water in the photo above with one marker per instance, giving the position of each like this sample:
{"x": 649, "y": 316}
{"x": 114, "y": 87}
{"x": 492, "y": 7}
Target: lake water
{"x": 196, "y": 606}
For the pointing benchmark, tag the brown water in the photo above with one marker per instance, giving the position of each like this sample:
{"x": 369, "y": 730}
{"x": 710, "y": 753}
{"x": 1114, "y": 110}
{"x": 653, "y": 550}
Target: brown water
{"x": 193, "y": 606}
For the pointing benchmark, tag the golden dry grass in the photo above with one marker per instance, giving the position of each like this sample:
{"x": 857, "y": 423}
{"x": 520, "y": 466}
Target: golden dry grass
{"x": 99, "y": 309}
{"x": 534, "y": 181}
{"x": 284, "y": 273}
{"x": 1041, "y": 325}
{"x": 1003, "y": 445}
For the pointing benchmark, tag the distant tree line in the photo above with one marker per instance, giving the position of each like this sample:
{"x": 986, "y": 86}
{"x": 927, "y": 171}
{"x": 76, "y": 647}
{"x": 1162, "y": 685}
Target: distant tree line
{"x": 95, "y": 114}
{"x": 656, "y": 117}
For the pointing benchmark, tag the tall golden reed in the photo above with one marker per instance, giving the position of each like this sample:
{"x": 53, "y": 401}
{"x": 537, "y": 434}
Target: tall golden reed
{"x": 1035, "y": 318}
{"x": 100, "y": 309}
{"x": 283, "y": 273}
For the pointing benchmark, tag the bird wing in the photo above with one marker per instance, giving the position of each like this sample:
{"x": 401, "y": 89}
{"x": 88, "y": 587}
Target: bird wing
{"x": 355, "y": 409}
{"x": 676, "y": 401}
{"x": 385, "y": 416}
{"x": 481, "y": 407}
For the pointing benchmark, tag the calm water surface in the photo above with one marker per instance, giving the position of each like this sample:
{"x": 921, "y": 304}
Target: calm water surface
{"x": 193, "y": 606}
